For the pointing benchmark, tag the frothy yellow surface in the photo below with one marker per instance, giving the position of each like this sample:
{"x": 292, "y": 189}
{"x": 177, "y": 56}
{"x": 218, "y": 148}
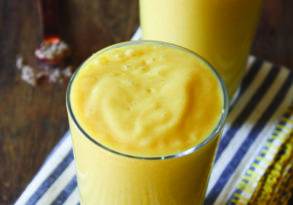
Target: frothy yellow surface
{"x": 146, "y": 99}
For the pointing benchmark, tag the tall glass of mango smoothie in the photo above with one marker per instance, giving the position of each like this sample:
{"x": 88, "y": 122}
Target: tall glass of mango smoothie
{"x": 219, "y": 30}
{"x": 145, "y": 119}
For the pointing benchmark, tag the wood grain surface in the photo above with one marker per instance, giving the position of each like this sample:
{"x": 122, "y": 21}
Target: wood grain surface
{"x": 32, "y": 119}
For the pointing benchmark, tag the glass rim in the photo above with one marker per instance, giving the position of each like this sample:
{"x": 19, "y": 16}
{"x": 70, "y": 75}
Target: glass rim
{"x": 188, "y": 151}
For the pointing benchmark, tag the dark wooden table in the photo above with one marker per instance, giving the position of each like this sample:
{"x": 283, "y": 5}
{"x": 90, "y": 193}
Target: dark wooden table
{"x": 32, "y": 119}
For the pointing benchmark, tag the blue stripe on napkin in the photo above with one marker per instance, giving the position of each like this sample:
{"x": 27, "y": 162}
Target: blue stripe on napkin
{"x": 246, "y": 112}
{"x": 254, "y": 133}
{"x": 51, "y": 178}
{"x": 250, "y": 75}
{"x": 61, "y": 198}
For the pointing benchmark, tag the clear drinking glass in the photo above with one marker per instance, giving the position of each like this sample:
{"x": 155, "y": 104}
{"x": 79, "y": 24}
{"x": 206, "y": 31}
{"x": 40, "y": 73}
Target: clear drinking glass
{"x": 219, "y": 30}
{"x": 107, "y": 176}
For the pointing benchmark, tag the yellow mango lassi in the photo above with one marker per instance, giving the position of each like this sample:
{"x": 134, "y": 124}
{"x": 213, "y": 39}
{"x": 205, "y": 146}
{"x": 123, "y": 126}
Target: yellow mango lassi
{"x": 219, "y": 30}
{"x": 145, "y": 119}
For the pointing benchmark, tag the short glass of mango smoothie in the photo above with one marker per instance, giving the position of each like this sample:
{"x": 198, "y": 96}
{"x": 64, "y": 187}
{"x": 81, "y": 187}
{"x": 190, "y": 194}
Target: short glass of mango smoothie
{"x": 219, "y": 30}
{"x": 145, "y": 119}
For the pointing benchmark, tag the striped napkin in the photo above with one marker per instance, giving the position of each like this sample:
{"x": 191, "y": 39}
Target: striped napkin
{"x": 259, "y": 123}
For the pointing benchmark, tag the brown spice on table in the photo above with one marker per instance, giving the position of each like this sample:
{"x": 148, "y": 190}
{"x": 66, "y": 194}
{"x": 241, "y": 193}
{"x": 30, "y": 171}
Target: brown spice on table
{"x": 47, "y": 73}
{"x": 52, "y": 51}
